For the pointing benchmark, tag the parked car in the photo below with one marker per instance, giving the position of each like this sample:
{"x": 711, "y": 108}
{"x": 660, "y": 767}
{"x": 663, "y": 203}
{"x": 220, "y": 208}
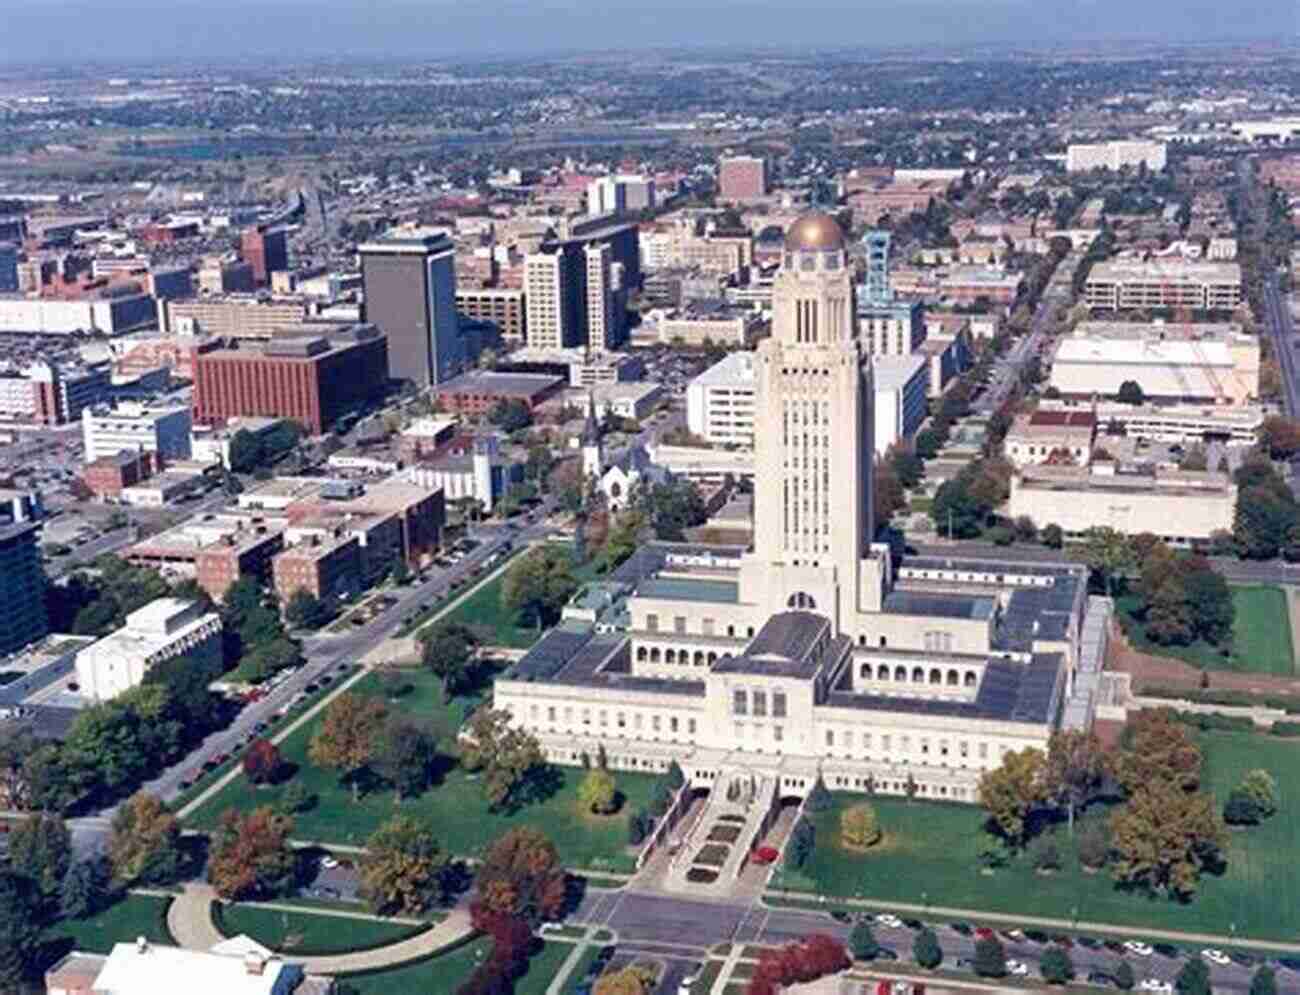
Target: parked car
{"x": 890, "y": 920}
{"x": 1155, "y": 985}
{"x": 1216, "y": 956}
{"x": 1138, "y": 948}
{"x": 1017, "y": 968}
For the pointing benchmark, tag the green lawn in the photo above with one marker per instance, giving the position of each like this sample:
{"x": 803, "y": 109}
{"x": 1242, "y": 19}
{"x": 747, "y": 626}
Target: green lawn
{"x": 455, "y": 808}
{"x": 131, "y": 917}
{"x": 483, "y": 613}
{"x": 308, "y": 935}
{"x": 1261, "y": 635}
{"x": 443, "y": 975}
{"x": 931, "y": 853}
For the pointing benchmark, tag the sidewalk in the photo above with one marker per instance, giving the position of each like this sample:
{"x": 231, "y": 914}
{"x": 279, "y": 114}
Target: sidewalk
{"x": 932, "y": 911}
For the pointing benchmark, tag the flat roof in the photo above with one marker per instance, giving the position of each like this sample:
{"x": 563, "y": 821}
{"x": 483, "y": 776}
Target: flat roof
{"x": 736, "y": 369}
{"x": 938, "y": 605}
{"x": 1119, "y": 271}
{"x": 890, "y": 372}
{"x": 689, "y": 589}
{"x": 492, "y": 382}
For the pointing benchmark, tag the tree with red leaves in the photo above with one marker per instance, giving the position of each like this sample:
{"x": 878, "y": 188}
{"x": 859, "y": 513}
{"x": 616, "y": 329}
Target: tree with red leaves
{"x": 808, "y": 959}
{"x": 262, "y": 761}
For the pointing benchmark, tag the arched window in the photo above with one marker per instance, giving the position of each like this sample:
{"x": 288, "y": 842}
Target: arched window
{"x": 900, "y": 673}
{"x": 699, "y": 658}
{"x": 641, "y": 653}
{"x": 615, "y": 490}
{"x": 970, "y": 678}
{"x": 952, "y": 678}
{"x": 670, "y": 656}
{"x": 800, "y": 600}
{"x": 918, "y": 675}
{"x": 713, "y": 658}
{"x": 935, "y": 676}
{"x": 882, "y": 672}
{"x": 654, "y": 655}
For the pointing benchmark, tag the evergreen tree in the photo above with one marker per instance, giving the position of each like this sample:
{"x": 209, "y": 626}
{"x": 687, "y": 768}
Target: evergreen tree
{"x": 990, "y": 958}
{"x": 862, "y": 941}
{"x": 85, "y": 888}
{"x": 926, "y": 950}
{"x": 1123, "y": 975}
{"x": 1055, "y": 965}
{"x": 1264, "y": 981}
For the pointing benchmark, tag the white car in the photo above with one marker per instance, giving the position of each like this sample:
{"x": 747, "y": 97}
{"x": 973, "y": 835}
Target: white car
{"x": 890, "y": 920}
{"x": 1155, "y": 985}
{"x": 1216, "y": 956}
{"x": 1139, "y": 948}
{"x": 1016, "y": 968}
{"x": 329, "y": 863}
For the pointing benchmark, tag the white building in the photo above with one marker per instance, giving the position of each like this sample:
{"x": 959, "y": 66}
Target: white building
{"x": 135, "y": 427}
{"x": 606, "y": 195}
{"x": 902, "y": 398}
{"x": 161, "y": 630}
{"x": 1163, "y": 283}
{"x": 1277, "y": 130}
{"x": 546, "y": 292}
{"x": 633, "y": 401}
{"x": 1115, "y": 155}
{"x": 482, "y": 473}
{"x": 604, "y": 328}
{"x": 720, "y": 402}
{"x": 211, "y": 443}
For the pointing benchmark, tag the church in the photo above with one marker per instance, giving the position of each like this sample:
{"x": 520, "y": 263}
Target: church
{"x": 815, "y": 652}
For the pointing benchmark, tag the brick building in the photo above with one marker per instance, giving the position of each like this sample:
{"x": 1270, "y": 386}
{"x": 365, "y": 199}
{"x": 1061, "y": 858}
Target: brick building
{"x": 312, "y": 380}
{"x": 266, "y": 250}
{"x": 109, "y": 475}
{"x": 323, "y": 563}
{"x": 476, "y": 392}
{"x": 742, "y": 178}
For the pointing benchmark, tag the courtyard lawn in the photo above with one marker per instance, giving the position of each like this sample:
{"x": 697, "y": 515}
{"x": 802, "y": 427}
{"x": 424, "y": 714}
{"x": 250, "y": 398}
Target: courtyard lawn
{"x": 1261, "y": 635}
{"x": 122, "y": 922}
{"x": 930, "y": 853}
{"x": 454, "y": 807}
{"x": 305, "y": 934}
{"x": 483, "y": 613}
{"x": 443, "y": 974}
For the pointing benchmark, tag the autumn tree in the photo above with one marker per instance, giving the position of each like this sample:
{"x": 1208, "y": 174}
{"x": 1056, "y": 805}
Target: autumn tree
{"x": 1157, "y": 747}
{"x": 597, "y": 792}
{"x": 405, "y": 868}
{"x": 1012, "y": 790}
{"x": 1164, "y": 837}
{"x": 144, "y": 846}
{"x": 447, "y": 650}
{"x": 348, "y": 735}
{"x": 521, "y": 876}
{"x": 405, "y": 755}
{"x": 40, "y": 849}
{"x": 627, "y": 981}
{"x": 505, "y": 755}
{"x": 1076, "y": 764}
{"x": 859, "y": 827}
{"x": 249, "y": 855}
{"x": 262, "y": 761}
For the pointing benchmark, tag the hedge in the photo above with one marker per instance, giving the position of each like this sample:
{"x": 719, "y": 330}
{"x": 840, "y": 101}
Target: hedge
{"x": 1214, "y": 696}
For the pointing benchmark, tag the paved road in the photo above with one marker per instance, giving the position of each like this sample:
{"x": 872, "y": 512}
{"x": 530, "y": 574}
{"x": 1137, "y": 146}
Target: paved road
{"x": 686, "y": 927}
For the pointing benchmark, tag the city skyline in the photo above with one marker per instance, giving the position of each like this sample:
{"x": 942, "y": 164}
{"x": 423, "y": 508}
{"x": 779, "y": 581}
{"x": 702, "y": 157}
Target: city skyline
{"x": 74, "y": 30}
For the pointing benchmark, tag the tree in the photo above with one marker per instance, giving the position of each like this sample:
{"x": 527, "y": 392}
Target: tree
{"x": 926, "y": 950}
{"x": 1053, "y": 536}
{"x": 639, "y": 825}
{"x": 447, "y": 649}
{"x": 249, "y": 855}
{"x": 626, "y": 981}
{"x": 245, "y": 451}
{"x": 305, "y": 610}
{"x": 262, "y": 761}
{"x": 673, "y": 776}
{"x": 1157, "y": 747}
{"x": 348, "y": 735}
{"x": 295, "y": 798}
{"x": 17, "y": 744}
{"x": 40, "y": 849}
{"x": 1055, "y": 965}
{"x": 1093, "y": 844}
{"x": 596, "y": 793}
{"x": 400, "y": 572}
{"x": 538, "y": 585}
{"x": 20, "y": 929}
{"x": 1194, "y": 978}
{"x": 404, "y": 871}
{"x": 510, "y": 415}
{"x": 859, "y": 827}
{"x": 1108, "y": 554}
{"x": 1076, "y": 764}
{"x": 1261, "y": 788}
{"x": 405, "y": 755}
{"x": 1123, "y": 975}
{"x": 1130, "y": 392}
{"x": 990, "y": 958}
{"x": 1163, "y": 838}
{"x": 1280, "y": 436}
{"x": 1011, "y": 791}
{"x": 819, "y": 798}
{"x": 84, "y": 890}
{"x": 505, "y": 755}
{"x": 862, "y": 941}
{"x": 144, "y": 846}
{"x": 799, "y": 847}
{"x": 1263, "y": 981}
{"x": 521, "y": 875}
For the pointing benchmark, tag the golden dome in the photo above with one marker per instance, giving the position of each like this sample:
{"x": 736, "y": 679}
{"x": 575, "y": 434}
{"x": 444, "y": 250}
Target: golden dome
{"x": 815, "y": 232}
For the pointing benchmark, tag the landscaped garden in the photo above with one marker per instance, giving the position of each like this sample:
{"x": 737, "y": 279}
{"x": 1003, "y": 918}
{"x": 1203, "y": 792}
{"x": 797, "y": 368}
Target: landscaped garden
{"x": 307, "y": 934}
{"x": 444, "y": 974}
{"x": 130, "y": 917}
{"x": 454, "y": 809}
{"x": 932, "y": 853}
{"x": 1261, "y": 634}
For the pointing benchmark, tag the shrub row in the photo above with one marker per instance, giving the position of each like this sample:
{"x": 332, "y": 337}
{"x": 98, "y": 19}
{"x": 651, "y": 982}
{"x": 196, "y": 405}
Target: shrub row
{"x": 1223, "y": 696}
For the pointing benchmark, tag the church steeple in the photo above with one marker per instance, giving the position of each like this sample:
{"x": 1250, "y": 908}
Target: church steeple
{"x": 593, "y": 463}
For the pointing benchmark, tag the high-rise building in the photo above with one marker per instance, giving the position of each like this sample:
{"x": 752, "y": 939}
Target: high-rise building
{"x": 266, "y": 250}
{"x": 889, "y": 326}
{"x": 136, "y": 428}
{"x": 553, "y": 299}
{"x": 606, "y": 195}
{"x": 742, "y": 178}
{"x": 22, "y": 588}
{"x": 409, "y": 278}
{"x": 604, "y": 327}
{"x": 8, "y": 268}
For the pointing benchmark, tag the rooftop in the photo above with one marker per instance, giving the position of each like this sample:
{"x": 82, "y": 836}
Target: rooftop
{"x": 734, "y": 369}
{"x": 689, "y": 589}
{"x": 492, "y": 382}
{"x": 151, "y": 969}
{"x": 1165, "y": 270}
{"x": 891, "y": 372}
{"x": 939, "y": 605}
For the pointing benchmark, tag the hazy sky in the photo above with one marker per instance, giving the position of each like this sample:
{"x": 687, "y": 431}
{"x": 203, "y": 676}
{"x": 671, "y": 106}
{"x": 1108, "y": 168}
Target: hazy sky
{"x": 167, "y": 30}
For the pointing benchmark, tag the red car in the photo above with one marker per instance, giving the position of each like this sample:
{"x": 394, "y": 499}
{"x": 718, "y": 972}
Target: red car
{"x": 983, "y": 933}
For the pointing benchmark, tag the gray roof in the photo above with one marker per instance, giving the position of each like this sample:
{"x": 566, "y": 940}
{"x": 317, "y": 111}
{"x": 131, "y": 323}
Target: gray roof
{"x": 791, "y": 635}
{"x": 939, "y": 605}
{"x": 574, "y": 655}
{"x": 790, "y": 644}
{"x": 721, "y": 592}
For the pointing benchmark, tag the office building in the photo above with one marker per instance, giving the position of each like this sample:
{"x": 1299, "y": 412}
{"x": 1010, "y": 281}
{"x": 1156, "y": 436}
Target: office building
{"x": 1186, "y": 424}
{"x": 1115, "y": 155}
{"x": 633, "y": 401}
{"x": 22, "y": 588}
{"x": 553, "y": 295}
{"x": 48, "y": 393}
{"x": 811, "y": 656}
{"x": 902, "y": 399}
{"x": 479, "y": 391}
{"x": 1164, "y": 284}
{"x": 889, "y": 326}
{"x": 623, "y": 237}
{"x": 501, "y": 307}
{"x": 104, "y": 312}
{"x": 700, "y": 323}
{"x": 604, "y": 314}
{"x": 606, "y": 195}
{"x": 720, "y": 402}
{"x": 1277, "y": 131}
{"x": 215, "y": 548}
{"x": 224, "y": 276}
{"x": 134, "y": 427}
{"x": 8, "y": 268}
{"x": 1051, "y": 435}
{"x": 162, "y": 630}
{"x": 266, "y": 250}
{"x": 1169, "y": 362}
{"x": 313, "y": 380}
{"x": 742, "y": 178}
{"x": 410, "y": 292}
{"x": 235, "y": 316}
{"x": 326, "y": 563}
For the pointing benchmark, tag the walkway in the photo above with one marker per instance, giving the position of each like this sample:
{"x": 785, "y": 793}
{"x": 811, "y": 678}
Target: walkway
{"x": 189, "y": 920}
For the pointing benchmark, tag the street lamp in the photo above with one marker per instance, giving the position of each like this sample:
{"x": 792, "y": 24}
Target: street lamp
{"x": 925, "y": 900}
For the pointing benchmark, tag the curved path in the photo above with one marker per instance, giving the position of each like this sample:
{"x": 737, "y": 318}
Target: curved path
{"x": 189, "y": 919}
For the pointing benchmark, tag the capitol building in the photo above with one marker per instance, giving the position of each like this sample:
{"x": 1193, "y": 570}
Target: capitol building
{"x": 814, "y": 653}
